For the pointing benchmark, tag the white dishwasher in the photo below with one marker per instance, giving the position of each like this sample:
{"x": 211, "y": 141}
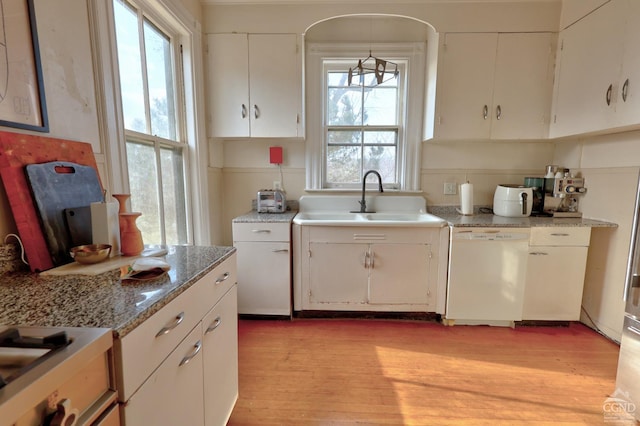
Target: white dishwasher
{"x": 487, "y": 272}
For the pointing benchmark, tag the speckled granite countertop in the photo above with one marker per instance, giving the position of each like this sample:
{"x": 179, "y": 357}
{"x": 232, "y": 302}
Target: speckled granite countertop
{"x": 480, "y": 219}
{"x": 102, "y": 300}
{"x": 255, "y": 217}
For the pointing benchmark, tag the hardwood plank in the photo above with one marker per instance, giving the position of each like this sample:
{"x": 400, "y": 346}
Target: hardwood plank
{"x": 331, "y": 371}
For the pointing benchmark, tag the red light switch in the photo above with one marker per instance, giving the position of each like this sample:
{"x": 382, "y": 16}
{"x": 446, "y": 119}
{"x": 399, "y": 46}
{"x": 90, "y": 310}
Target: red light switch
{"x": 275, "y": 154}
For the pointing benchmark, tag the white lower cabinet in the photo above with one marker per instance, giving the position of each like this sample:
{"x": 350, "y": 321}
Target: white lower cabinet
{"x": 173, "y": 393}
{"x": 376, "y": 269}
{"x": 180, "y": 367}
{"x": 555, "y": 273}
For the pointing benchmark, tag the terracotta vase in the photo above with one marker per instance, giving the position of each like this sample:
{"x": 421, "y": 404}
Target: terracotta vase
{"x": 130, "y": 236}
{"x": 122, "y": 201}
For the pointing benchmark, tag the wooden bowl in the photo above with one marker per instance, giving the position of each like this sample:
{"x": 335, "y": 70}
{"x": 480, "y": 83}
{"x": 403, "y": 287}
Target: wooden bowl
{"x": 90, "y": 253}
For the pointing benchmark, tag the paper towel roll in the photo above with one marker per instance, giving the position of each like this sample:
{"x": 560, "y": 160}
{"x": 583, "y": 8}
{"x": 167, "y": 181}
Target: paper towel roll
{"x": 466, "y": 198}
{"x": 105, "y": 225}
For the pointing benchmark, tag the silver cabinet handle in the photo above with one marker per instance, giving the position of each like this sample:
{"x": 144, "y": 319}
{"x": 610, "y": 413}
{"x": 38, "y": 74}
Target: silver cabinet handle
{"x": 196, "y": 349}
{"x": 261, "y": 231}
{"x": 215, "y": 324}
{"x": 538, "y": 253}
{"x": 256, "y": 111}
{"x": 625, "y": 90}
{"x": 608, "y": 96}
{"x": 485, "y": 112}
{"x": 222, "y": 278}
{"x": 498, "y": 112}
{"x": 372, "y": 263}
{"x": 167, "y": 328}
{"x": 559, "y": 234}
{"x": 366, "y": 259}
{"x": 280, "y": 251}
{"x": 244, "y": 111}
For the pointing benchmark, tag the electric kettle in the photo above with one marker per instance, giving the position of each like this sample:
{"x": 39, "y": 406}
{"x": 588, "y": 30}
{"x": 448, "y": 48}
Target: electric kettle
{"x": 513, "y": 200}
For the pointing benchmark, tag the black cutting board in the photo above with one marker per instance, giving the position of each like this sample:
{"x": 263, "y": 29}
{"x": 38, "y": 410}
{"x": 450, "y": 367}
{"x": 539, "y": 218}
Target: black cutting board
{"x": 57, "y": 186}
{"x": 78, "y": 221}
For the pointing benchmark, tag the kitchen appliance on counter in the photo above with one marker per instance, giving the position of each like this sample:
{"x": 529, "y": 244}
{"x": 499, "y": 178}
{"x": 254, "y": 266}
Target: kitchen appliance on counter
{"x": 43, "y": 375}
{"x": 513, "y": 200}
{"x": 568, "y": 189}
{"x": 271, "y": 201}
{"x": 537, "y": 185}
{"x": 627, "y": 392}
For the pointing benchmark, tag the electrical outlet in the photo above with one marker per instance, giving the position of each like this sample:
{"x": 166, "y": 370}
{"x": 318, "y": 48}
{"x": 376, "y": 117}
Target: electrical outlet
{"x": 277, "y": 184}
{"x": 450, "y": 188}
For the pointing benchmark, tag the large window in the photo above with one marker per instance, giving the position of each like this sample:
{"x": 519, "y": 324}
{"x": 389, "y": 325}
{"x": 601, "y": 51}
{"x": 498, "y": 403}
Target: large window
{"x": 149, "y": 62}
{"x": 352, "y": 129}
{"x": 362, "y": 126}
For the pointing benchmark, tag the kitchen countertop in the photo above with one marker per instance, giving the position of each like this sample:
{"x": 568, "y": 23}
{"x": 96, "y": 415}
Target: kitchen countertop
{"x": 491, "y": 220}
{"x": 103, "y": 300}
{"x": 255, "y": 217}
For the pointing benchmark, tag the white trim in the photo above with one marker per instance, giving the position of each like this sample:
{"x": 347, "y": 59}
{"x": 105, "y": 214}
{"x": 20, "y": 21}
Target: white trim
{"x": 410, "y": 152}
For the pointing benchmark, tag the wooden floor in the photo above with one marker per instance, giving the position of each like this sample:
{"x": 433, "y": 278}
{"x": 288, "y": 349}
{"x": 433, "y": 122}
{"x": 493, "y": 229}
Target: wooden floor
{"x": 375, "y": 372}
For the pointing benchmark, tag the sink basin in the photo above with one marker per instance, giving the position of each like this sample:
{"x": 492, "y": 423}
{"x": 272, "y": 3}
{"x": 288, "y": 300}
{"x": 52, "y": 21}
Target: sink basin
{"x": 328, "y": 218}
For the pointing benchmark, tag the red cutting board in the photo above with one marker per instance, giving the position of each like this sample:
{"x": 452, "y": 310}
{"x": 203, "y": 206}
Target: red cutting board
{"x": 16, "y": 151}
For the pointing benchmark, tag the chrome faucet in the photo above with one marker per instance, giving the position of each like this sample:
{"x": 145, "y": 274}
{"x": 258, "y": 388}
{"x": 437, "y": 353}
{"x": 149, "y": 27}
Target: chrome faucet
{"x": 363, "y": 203}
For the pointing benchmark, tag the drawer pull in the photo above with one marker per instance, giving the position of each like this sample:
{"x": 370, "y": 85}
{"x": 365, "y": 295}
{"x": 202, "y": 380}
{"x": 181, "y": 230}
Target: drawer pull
{"x": 215, "y": 324}
{"x": 538, "y": 253}
{"x": 281, "y": 251}
{"x": 261, "y": 231}
{"x": 167, "y": 328}
{"x": 223, "y": 278}
{"x": 559, "y": 234}
{"x": 196, "y": 349}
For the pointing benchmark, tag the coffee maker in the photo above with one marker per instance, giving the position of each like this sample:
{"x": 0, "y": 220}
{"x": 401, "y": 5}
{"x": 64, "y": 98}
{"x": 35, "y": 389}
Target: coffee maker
{"x": 562, "y": 192}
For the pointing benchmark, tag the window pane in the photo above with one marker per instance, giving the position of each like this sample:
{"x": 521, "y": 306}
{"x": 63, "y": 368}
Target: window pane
{"x": 130, "y": 67}
{"x": 143, "y": 184}
{"x": 337, "y": 79}
{"x": 160, "y": 80}
{"x": 343, "y": 164}
{"x": 173, "y": 185}
{"x": 378, "y": 137}
{"x": 380, "y": 106}
{"x": 344, "y": 106}
{"x": 382, "y": 159}
{"x": 344, "y": 137}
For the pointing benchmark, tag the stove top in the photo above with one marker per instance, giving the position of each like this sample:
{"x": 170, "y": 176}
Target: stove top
{"x": 20, "y": 351}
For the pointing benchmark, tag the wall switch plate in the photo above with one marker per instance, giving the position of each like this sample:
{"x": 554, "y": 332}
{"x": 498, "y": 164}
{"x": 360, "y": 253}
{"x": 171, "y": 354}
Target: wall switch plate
{"x": 450, "y": 188}
{"x": 277, "y": 184}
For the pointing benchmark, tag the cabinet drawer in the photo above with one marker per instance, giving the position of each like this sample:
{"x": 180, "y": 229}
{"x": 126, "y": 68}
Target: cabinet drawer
{"x": 217, "y": 282}
{"x": 560, "y": 236}
{"x": 140, "y": 352}
{"x": 343, "y": 234}
{"x": 261, "y": 231}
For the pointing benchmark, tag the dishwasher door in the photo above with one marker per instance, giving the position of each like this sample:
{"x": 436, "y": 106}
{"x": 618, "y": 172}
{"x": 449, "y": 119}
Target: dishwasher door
{"x": 487, "y": 272}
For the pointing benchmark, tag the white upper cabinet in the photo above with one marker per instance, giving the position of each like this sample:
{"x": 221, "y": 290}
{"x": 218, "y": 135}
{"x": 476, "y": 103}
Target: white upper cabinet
{"x": 494, "y": 86}
{"x": 255, "y": 85}
{"x": 598, "y": 75}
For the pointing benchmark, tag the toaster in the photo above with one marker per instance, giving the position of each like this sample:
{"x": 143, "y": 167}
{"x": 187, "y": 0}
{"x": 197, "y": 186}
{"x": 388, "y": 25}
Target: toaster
{"x": 271, "y": 201}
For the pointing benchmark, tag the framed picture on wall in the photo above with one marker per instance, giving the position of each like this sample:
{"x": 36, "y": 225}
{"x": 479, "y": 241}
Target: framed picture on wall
{"x": 22, "y": 100}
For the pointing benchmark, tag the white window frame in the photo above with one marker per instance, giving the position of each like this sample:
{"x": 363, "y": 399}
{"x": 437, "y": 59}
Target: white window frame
{"x": 175, "y": 16}
{"x": 409, "y": 149}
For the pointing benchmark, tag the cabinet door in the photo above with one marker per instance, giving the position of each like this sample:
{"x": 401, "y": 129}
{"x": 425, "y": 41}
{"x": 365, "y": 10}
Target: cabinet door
{"x": 554, "y": 284}
{"x": 338, "y": 274}
{"x": 523, "y": 85}
{"x": 228, "y": 77}
{"x": 465, "y": 86}
{"x": 264, "y": 278}
{"x": 399, "y": 274}
{"x": 172, "y": 395}
{"x": 628, "y": 101}
{"x": 590, "y": 58}
{"x": 220, "y": 359}
{"x": 276, "y": 95}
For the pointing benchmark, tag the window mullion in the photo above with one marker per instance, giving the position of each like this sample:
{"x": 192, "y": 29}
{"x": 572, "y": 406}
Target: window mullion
{"x": 163, "y": 231}
{"x": 145, "y": 79}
